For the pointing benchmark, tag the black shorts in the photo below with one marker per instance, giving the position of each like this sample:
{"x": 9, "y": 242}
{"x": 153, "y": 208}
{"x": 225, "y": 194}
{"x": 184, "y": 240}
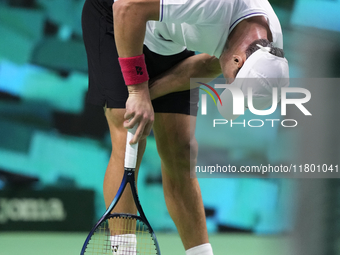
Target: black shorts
{"x": 106, "y": 83}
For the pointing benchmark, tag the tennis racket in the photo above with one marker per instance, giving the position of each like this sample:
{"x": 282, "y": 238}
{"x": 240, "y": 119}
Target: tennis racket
{"x": 123, "y": 233}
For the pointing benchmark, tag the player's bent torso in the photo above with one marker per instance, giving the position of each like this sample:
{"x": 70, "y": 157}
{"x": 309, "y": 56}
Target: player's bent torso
{"x": 204, "y": 26}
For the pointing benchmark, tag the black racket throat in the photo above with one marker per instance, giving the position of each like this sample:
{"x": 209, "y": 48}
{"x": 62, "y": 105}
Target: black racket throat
{"x": 127, "y": 169}
{"x": 129, "y": 177}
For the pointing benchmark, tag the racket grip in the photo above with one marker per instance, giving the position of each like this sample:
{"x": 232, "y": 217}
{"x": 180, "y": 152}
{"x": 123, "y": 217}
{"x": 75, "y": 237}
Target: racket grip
{"x": 131, "y": 150}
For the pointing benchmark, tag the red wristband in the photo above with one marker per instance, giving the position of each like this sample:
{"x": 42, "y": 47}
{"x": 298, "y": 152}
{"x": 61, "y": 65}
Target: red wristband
{"x": 134, "y": 70}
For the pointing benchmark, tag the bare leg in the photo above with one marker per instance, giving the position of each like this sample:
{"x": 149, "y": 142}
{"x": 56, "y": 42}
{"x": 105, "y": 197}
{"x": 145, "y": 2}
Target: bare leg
{"x": 175, "y": 142}
{"x": 115, "y": 170}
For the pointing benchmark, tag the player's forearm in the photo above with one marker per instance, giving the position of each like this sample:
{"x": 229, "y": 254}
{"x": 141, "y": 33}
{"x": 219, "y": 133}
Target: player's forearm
{"x": 178, "y": 78}
{"x": 129, "y": 27}
{"x": 130, "y": 18}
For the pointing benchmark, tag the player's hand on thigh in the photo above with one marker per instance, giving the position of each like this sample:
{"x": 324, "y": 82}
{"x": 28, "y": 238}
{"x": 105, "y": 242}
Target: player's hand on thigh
{"x": 139, "y": 111}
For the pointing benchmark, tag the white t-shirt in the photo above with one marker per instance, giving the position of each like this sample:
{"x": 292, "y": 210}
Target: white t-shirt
{"x": 204, "y": 25}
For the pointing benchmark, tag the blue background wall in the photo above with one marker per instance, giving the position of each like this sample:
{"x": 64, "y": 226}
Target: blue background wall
{"x": 46, "y": 129}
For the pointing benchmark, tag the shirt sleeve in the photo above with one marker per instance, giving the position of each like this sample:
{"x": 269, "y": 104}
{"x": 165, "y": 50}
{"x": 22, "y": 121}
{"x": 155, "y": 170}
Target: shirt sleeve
{"x": 194, "y": 11}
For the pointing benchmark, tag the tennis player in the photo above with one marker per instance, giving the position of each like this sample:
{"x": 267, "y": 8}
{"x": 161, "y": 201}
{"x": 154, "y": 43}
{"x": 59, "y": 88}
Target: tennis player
{"x": 141, "y": 55}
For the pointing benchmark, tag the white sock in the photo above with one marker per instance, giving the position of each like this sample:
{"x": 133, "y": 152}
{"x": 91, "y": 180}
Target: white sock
{"x": 120, "y": 244}
{"x": 204, "y": 249}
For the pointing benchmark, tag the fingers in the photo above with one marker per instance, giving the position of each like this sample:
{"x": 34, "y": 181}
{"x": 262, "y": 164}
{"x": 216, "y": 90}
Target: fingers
{"x": 139, "y": 111}
{"x": 144, "y": 122}
{"x": 130, "y": 119}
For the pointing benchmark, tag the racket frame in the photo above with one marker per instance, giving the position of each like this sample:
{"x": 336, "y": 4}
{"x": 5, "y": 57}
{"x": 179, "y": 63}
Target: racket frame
{"x": 128, "y": 177}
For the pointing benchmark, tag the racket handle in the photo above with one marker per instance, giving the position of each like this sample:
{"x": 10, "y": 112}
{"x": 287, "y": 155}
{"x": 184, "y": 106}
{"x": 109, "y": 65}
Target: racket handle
{"x": 131, "y": 150}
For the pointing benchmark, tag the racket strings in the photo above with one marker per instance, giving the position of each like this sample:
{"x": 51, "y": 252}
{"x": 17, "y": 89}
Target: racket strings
{"x": 122, "y": 235}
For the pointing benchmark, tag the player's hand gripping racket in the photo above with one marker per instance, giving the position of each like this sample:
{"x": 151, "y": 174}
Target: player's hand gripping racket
{"x": 122, "y": 233}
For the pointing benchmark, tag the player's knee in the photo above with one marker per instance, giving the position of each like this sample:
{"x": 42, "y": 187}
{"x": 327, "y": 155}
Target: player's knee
{"x": 181, "y": 152}
{"x": 115, "y": 120}
{"x": 115, "y": 117}
{"x": 193, "y": 151}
